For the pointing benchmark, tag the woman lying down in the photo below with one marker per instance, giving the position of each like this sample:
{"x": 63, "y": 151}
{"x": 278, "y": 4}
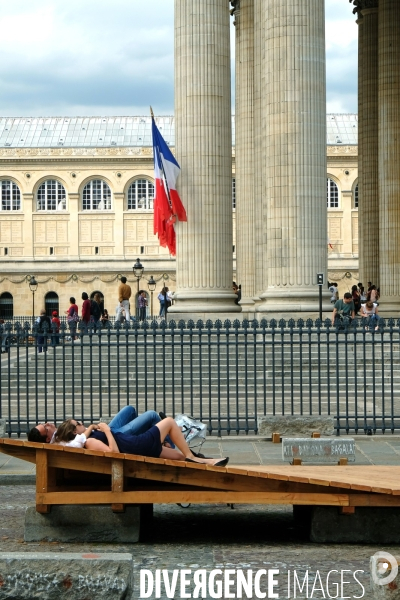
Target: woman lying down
{"x": 99, "y": 437}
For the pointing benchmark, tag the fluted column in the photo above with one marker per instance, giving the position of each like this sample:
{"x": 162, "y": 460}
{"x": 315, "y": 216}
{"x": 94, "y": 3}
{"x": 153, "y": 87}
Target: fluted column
{"x": 244, "y": 150}
{"x": 295, "y": 164}
{"x": 260, "y": 215}
{"x": 389, "y": 153}
{"x": 204, "y": 151}
{"x": 368, "y": 207}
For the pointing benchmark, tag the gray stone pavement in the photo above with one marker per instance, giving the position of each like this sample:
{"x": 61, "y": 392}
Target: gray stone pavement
{"x": 216, "y": 536}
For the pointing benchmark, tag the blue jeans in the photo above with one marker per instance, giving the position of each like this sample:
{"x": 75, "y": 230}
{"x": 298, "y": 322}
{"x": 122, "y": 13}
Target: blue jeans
{"x": 126, "y": 421}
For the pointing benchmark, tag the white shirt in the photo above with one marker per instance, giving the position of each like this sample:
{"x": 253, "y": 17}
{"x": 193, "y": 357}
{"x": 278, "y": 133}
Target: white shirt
{"x": 368, "y": 311}
{"x": 78, "y": 442}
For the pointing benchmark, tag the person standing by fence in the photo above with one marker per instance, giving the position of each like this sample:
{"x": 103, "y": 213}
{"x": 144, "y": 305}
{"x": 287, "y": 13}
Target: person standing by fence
{"x": 44, "y": 329}
{"x": 142, "y": 303}
{"x": 124, "y": 293}
{"x": 85, "y": 309}
{"x": 55, "y": 329}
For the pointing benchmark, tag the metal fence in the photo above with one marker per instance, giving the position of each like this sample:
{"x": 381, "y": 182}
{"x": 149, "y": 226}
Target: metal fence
{"x": 225, "y": 373}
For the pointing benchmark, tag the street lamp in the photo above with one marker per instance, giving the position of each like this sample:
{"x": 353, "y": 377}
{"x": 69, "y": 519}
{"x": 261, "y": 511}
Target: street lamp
{"x": 138, "y": 269}
{"x": 33, "y": 285}
{"x": 151, "y": 284}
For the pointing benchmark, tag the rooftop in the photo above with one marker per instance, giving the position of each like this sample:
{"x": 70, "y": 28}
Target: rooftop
{"x": 95, "y": 132}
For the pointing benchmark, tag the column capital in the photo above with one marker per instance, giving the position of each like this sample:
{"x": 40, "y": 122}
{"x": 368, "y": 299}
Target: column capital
{"x": 364, "y": 4}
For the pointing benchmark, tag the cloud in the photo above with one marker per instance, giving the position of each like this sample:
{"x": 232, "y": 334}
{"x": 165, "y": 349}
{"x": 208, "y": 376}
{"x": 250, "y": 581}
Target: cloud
{"x": 97, "y": 57}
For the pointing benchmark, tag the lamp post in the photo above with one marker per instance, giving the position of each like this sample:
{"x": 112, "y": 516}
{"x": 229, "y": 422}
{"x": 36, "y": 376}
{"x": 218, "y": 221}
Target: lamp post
{"x": 138, "y": 269}
{"x": 33, "y": 285}
{"x": 151, "y": 284}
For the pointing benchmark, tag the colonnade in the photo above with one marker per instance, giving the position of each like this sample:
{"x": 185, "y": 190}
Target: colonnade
{"x": 280, "y": 152}
{"x": 379, "y": 147}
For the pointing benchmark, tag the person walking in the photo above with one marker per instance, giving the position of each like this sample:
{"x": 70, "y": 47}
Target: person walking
{"x": 124, "y": 294}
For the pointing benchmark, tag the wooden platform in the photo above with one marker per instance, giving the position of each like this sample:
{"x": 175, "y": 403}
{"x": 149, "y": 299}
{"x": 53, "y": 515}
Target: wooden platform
{"x": 78, "y": 476}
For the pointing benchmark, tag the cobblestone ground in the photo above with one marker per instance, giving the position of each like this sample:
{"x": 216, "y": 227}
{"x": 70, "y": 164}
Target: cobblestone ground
{"x": 212, "y": 537}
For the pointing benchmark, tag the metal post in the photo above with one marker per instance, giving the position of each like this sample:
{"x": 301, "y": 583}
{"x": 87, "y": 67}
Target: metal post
{"x": 320, "y": 282}
{"x": 151, "y": 309}
{"x": 33, "y": 305}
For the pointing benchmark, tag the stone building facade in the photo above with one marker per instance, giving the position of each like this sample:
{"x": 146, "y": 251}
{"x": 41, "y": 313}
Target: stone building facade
{"x": 76, "y": 209}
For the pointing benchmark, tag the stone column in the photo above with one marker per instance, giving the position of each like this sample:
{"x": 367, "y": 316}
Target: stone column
{"x": 260, "y": 215}
{"x": 295, "y": 155}
{"x": 368, "y": 209}
{"x": 203, "y": 127}
{"x": 389, "y": 153}
{"x": 204, "y": 150}
{"x": 244, "y": 151}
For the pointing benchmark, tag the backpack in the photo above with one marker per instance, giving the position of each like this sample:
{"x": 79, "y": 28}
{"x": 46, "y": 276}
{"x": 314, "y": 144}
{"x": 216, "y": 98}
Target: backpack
{"x": 95, "y": 309}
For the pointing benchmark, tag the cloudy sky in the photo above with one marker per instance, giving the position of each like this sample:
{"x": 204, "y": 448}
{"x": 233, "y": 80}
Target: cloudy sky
{"x": 115, "y": 57}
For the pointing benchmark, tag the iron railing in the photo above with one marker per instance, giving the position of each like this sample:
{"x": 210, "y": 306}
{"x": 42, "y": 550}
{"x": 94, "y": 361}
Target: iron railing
{"x": 225, "y": 373}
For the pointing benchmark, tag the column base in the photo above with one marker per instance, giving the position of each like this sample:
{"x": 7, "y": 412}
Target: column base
{"x": 204, "y": 302}
{"x": 389, "y": 306}
{"x": 296, "y": 300}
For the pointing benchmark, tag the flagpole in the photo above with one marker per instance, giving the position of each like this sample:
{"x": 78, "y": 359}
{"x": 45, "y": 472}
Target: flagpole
{"x": 151, "y": 112}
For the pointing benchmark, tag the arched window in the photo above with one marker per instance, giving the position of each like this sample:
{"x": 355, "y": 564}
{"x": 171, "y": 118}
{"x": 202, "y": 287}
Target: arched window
{"x": 233, "y": 192}
{"x": 356, "y": 196}
{"x": 96, "y": 195}
{"x": 141, "y": 195}
{"x": 51, "y": 303}
{"x": 6, "y": 305}
{"x": 10, "y": 196}
{"x": 101, "y": 303}
{"x": 332, "y": 194}
{"x": 51, "y": 196}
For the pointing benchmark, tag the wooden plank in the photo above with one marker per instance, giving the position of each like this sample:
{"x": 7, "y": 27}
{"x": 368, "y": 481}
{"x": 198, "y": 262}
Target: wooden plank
{"x": 203, "y": 497}
{"x": 20, "y": 452}
{"x": 11, "y": 442}
{"x": 42, "y": 479}
{"x": 117, "y": 483}
{"x": 86, "y": 462}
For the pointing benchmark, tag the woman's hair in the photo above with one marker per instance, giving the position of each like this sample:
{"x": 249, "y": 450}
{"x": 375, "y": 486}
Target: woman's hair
{"x": 65, "y": 432}
{"x": 369, "y": 304}
{"x": 354, "y": 288}
{"x": 72, "y": 300}
{"x": 85, "y": 296}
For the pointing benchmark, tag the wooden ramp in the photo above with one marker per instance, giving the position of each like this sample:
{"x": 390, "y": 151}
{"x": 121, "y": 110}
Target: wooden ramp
{"x": 79, "y": 476}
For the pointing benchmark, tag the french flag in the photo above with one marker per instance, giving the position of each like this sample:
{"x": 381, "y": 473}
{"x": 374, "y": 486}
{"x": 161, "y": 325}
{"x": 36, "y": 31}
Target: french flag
{"x": 167, "y": 204}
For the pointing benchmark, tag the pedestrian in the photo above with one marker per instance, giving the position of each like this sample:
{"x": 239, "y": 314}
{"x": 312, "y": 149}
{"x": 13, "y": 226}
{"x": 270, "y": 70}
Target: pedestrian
{"x": 85, "y": 309}
{"x": 4, "y": 339}
{"x": 369, "y": 312}
{"x": 333, "y": 292}
{"x": 356, "y": 298}
{"x": 162, "y": 297}
{"x": 95, "y": 310}
{"x": 124, "y": 293}
{"x": 343, "y": 308}
{"x": 44, "y": 326}
{"x": 373, "y": 294}
{"x": 55, "y": 329}
{"x": 72, "y": 317}
{"x": 105, "y": 318}
{"x": 142, "y": 304}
